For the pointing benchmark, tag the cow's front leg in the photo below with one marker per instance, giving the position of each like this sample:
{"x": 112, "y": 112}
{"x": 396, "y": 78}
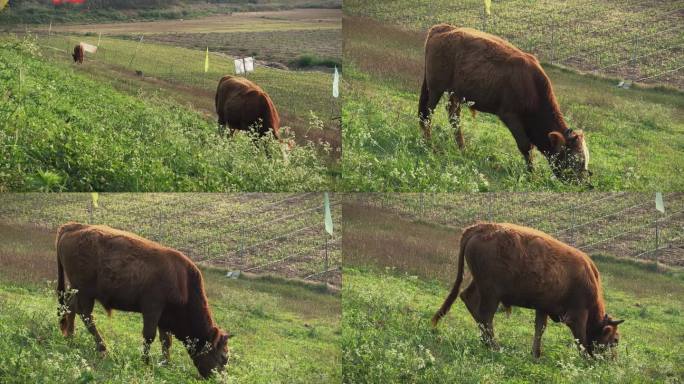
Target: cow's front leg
{"x": 150, "y": 321}
{"x": 517, "y": 129}
{"x": 539, "y": 327}
{"x": 578, "y": 325}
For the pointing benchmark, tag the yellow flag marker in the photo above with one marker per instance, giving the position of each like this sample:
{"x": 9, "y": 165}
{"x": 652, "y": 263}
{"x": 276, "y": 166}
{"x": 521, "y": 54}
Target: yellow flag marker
{"x": 488, "y": 6}
{"x": 206, "y": 62}
{"x": 3, "y": 3}
{"x": 95, "y": 196}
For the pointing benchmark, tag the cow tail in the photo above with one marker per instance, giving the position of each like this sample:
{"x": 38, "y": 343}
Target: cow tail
{"x": 457, "y": 285}
{"x": 61, "y": 295}
{"x": 423, "y": 111}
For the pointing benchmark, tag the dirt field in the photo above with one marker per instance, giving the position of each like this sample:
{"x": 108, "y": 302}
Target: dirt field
{"x": 299, "y": 19}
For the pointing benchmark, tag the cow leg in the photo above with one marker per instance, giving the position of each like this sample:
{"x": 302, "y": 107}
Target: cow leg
{"x": 85, "y": 311}
{"x": 482, "y": 308}
{"x": 67, "y": 321}
{"x": 454, "y": 111}
{"x": 578, "y": 325}
{"x": 517, "y": 128}
{"x": 165, "y": 339}
{"x": 539, "y": 327}
{"x": 426, "y": 113}
{"x": 150, "y": 322}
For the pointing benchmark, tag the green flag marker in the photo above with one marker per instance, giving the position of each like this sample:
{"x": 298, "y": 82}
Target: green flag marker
{"x": 660, "y": 206}
{"x": 488, "y": 6}
{"x": 206, "y": 62}
{"x": 328, "y": 217}
{"x": 3, "y": 3}
{"x": 95, "y": 196}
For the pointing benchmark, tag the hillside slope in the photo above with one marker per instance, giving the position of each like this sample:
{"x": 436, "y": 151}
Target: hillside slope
{"x": 60, "y": 130}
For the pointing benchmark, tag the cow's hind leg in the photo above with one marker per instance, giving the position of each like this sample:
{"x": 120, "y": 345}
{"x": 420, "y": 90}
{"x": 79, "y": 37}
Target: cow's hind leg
{"x": 165, "y": 339}
{"x": 85, "y": 311}
{"x": 68, "y": 315}
{"x": 539, "y": 327}
{"x": 482, "y": 308}
{"x": 150, "y": 323}
{"x": 517, "y": 128}
{"x": 454, "y": 111}
{"x": 428, "y": 102}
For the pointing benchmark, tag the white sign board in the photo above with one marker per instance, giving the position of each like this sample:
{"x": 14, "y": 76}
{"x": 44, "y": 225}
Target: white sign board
{"x": 660, "y": 206}
{"x": 244, "y": 65}
{"x": 88, "y": 47}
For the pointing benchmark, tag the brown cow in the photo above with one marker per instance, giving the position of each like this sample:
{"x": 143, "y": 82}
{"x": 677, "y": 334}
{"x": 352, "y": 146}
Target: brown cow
{"x": 78, "y": 54}
{"x": 520, "y": 266}
{"x": 498, "y": 78}
{"x": 129, "y": 273}
{"x": 243, "y": 105}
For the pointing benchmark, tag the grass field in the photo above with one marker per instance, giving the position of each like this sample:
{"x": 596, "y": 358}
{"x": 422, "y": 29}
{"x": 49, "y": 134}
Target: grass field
{"x": 285, "y": 331}
{"x": 279, "y": 234}
{"x": 398, "y": 272}
{"x": 634, "y": 136}
{"x": 629, "y": 39}
{"x": 303, "y": 98}
{"x": 61, "y": 130}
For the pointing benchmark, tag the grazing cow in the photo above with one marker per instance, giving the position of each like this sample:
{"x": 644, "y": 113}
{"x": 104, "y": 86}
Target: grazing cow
{"x": 520, "y": 266}
{"x": 78, "y": 54}
{"x": 243, "y": 105}
{"x": 126, "y": 272}
{"x": 495, "y": 77}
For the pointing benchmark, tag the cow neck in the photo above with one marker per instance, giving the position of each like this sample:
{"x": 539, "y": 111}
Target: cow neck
{"x": 597, "y": 309}
{"x": 548, "y": 118}
{"x": 198, "y": 323}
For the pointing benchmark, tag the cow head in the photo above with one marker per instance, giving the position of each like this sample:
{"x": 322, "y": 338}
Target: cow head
{"x": 570, "y": 155}
{"x": 214, "y": 355}
{"x": 606, "y": 336}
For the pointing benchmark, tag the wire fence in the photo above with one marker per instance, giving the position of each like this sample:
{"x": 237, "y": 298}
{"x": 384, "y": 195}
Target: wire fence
{"x": 277, "y": 233}
{"x": 647, "y": 46}
{"x": 618, "y": 224}
{"x": 640, "y": 41}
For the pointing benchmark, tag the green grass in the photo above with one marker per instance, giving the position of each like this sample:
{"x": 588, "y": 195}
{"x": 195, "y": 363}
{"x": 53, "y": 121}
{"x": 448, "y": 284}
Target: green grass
{"x": 387, "y": 336}
{"x": 285, "y": 331}
{"x": 303, "y": 98}
{"x": 634, "y": 136}
{"x": 60, "y": 130}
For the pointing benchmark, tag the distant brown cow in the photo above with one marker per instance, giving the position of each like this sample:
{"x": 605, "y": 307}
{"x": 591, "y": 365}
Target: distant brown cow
{"x": 244, "y": 106}
{"x": 520, "y": 266}
{"x": 483, "y": 69}
{"x": 78, "y": 54}
{"x": 129, "y": 273}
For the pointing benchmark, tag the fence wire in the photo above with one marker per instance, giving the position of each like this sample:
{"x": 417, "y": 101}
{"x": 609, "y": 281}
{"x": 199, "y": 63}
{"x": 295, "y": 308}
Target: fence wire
{"x": 618, "y": 224}
{"x": 277, "y": 233}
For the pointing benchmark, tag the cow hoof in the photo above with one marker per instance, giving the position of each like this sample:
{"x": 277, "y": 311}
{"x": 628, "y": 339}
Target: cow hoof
{"x": 164, "y": 363}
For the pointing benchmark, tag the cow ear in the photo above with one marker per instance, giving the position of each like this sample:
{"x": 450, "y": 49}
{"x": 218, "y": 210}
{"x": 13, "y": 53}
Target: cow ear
{"x": 616, "y": 322}
{"x": 216, "y": 337}
{"x": 557, "y": 141}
